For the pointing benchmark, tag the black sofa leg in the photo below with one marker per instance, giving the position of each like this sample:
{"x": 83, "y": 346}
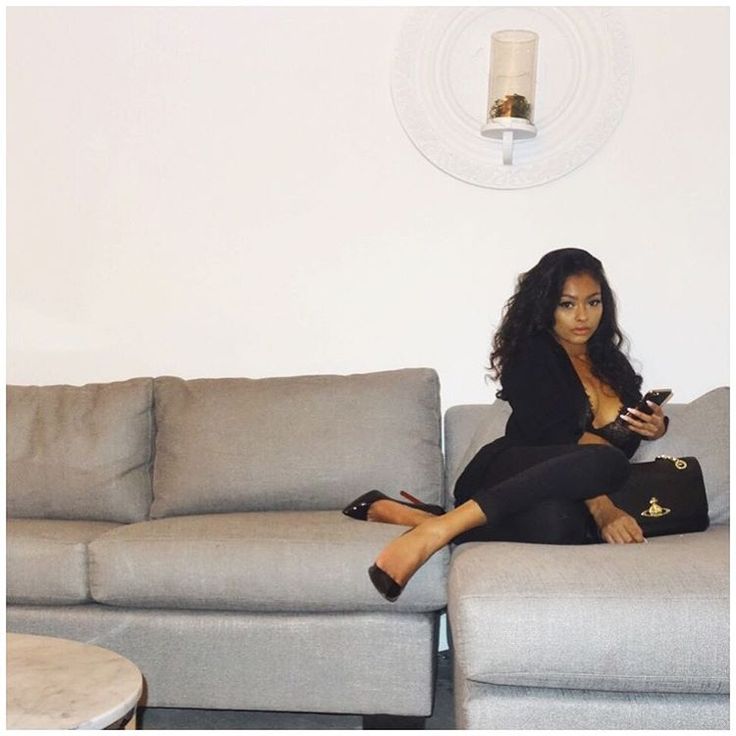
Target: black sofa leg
{"x": 393, "y": 723}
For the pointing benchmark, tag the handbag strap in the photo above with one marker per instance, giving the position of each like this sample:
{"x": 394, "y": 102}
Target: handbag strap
{"x": 680, "y": 464}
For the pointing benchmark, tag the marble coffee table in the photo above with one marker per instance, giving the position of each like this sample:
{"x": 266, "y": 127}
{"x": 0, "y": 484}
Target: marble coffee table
{"x": 57, "y": 683}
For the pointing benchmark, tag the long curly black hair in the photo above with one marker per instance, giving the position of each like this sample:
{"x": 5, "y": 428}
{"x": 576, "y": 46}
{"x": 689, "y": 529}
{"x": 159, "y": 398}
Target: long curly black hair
{"x": 531, "y": 309}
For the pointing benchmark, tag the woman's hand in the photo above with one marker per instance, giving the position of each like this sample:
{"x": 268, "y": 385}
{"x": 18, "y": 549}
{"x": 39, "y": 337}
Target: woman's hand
{"x": 616, "y": 526}
{"x": 649, "y": 426}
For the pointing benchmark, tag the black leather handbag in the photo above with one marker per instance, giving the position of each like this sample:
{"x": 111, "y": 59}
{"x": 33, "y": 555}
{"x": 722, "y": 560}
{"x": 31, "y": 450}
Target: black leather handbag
{"x": 666, "y": 496}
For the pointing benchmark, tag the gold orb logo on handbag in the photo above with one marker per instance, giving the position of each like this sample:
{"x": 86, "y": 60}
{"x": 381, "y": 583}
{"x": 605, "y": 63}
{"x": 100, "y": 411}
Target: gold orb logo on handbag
{"x": 655, "y": 510}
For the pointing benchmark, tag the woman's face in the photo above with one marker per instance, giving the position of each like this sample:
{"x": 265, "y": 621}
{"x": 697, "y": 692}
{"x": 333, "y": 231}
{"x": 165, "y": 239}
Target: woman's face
{"x": 578, "y": 311}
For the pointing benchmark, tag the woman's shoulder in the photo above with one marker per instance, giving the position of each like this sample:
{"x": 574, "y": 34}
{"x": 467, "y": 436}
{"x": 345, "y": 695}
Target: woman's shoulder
{"x": 535, "y": 358}
{"x": 538, "y": 344}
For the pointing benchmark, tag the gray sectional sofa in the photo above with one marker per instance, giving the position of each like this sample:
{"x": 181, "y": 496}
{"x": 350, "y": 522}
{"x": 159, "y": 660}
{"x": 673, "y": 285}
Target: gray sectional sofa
{"x": 597, "y": 636}
{"x": 195, "y": 528}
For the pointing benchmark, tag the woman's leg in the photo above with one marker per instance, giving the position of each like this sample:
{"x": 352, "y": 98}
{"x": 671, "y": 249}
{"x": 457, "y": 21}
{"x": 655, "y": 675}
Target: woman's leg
{"x": 572, "y": 475}
{"x": 486, "y": 469}
{"x": 401, "y": 558}
{"x": 548, "y": 522}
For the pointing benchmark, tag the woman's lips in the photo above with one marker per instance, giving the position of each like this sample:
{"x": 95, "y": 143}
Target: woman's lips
{"x": 581, "y": 330}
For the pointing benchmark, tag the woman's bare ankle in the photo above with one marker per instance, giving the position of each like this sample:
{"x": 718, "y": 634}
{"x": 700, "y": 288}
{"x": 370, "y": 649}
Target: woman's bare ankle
{"x": 436, "y": 531}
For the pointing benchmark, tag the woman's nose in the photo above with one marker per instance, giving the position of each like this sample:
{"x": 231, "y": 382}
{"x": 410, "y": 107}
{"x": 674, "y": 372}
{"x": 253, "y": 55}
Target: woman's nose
{"x": 581, "y": 314}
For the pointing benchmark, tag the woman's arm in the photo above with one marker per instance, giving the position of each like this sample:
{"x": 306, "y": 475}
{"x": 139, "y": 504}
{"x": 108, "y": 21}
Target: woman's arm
{"x": 616, "y": 526}
{"x": 544, "y": 403}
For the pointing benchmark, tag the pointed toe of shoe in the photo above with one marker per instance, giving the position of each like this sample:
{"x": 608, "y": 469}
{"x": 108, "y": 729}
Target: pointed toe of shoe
{"x": 384, "y": 583}
{"x": 358, "y": 509}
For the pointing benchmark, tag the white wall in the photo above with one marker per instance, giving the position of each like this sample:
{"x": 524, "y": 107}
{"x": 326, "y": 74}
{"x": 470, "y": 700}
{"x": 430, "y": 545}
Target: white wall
{"x": 227, "y": 191}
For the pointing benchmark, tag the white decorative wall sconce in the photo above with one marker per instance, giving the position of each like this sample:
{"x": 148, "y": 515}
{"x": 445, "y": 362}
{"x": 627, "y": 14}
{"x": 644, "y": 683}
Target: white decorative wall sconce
{"x": 440, "y": 71}
{"x": 512, "y": 83}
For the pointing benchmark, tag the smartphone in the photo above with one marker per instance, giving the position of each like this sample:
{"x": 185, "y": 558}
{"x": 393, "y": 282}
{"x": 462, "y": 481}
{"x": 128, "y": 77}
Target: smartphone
{"x": 658, "y": 395}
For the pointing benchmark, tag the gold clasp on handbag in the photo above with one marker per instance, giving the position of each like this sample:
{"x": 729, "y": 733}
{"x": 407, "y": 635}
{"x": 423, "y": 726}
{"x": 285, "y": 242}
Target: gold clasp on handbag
{"x": 680, "y": 464}
{"x": 655, "y": 509}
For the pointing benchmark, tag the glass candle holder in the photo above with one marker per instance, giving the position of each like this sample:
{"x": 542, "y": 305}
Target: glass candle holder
{"x": 513, "y": 77}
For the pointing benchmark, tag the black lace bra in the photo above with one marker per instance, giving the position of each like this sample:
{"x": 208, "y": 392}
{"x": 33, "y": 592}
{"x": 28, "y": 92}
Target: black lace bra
{"x": 617, "y": 432}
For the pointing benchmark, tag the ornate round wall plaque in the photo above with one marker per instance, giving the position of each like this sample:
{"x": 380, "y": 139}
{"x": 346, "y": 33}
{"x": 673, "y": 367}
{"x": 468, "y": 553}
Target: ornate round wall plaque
{"x": 439, "y": 85}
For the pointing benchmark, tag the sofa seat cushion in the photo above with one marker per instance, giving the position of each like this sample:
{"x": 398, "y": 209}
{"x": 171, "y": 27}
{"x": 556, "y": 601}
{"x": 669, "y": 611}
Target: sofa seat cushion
{"x": 255, "y": 561}
{"x": 47, "y": 560}
{"x": 640, "y": 617}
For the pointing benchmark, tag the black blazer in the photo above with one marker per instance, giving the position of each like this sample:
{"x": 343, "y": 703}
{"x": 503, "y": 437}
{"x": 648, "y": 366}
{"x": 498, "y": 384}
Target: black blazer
{"x": 550, "y": 406}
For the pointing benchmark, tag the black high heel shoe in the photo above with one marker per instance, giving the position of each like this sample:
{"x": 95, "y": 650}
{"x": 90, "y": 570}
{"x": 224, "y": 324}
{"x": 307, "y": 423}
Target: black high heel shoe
{"x": 358, "y": 509}
{"x": 384, "y": 583}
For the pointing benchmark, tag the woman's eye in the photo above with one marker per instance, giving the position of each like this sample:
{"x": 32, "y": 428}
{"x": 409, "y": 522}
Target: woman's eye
{"x": 594, "y": 302}
{"x": 566, "y": 305}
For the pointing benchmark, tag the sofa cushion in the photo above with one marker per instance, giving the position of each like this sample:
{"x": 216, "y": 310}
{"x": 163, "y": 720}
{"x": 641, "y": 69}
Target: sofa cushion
{"x": 258, "y": 561}
{"x": 46, "y": 560}
{"x": 638, "y": 617}
{"x": 308, "y": 442}
{"x": 699, "y": 428}
{"x": 80, "y": 452}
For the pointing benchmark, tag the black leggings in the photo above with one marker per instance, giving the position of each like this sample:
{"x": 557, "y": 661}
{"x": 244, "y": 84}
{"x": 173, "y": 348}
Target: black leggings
{"x": 536, "y": 494}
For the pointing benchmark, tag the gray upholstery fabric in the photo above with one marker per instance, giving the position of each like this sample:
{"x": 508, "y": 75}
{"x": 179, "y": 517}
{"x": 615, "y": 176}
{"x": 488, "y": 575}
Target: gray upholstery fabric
{"x": 649, "y": 617}
{"x": 257, "y": 561}
{"x": 46, "y": 560}
{"x": 330, "y": 662}
{"x": 307, "y": 442}
{"x": 480, "y": 706}
{"x": 699, "y": 428}
{"x": 80, "y": 452}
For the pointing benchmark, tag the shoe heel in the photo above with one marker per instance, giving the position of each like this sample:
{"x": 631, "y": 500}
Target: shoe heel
{"x": 411, "y": 498}
{"x": 428, "y": 507}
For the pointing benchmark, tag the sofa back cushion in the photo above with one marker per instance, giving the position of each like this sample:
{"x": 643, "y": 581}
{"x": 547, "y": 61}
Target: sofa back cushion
{"x": 80, "y": 452}
{"x": 699, "y": 428}
{"x": 467, "y": 428}
{"x": 306, "y": 442}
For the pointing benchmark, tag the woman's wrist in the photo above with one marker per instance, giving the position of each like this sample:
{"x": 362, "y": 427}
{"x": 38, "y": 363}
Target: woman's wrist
{"x": 662, "y": 434}
{"x": 600, "y": 509}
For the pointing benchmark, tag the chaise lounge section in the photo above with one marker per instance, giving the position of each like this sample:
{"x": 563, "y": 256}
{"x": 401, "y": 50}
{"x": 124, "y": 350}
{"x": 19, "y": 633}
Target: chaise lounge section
{"x": 596, "y": 636}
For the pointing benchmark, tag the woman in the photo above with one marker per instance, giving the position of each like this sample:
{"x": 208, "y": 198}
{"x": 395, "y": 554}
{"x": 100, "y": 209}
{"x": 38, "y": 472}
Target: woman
{"x": 573, "y": 427}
